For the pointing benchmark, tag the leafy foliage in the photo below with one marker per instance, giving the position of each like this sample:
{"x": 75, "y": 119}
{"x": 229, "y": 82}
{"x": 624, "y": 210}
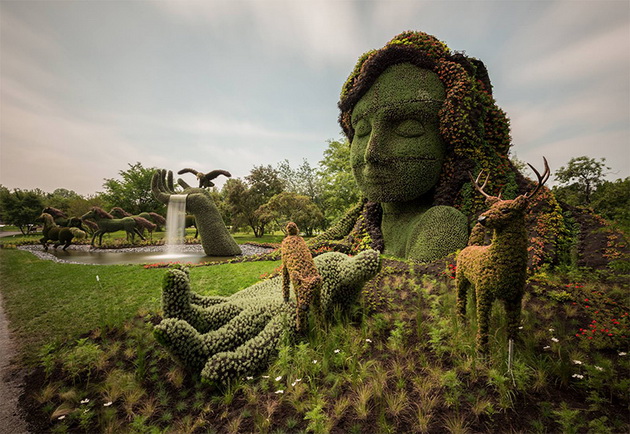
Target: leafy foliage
{"x": 286, "y": 206}
{"x": 579, "y": 179}
{"x": 339, "y": 189}
{"x": 133, "y": 191}
{"x": 20, "y": 208}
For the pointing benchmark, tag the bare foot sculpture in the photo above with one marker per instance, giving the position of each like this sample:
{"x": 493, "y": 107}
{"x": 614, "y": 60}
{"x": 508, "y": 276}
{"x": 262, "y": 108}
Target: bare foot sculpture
{"x": 215, "y": 237}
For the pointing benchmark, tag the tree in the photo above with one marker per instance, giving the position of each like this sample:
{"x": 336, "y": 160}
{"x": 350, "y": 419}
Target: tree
{"x": 133, "y": 192}
{"x": 612, "y": 201}
{"x": 304, "y": 180}
{"x": 61, "y": 199}
{"x": 289, "y": 206}
{"x": 243, "y": 198}
{"x": 21, "y": 208}
{"x": 340, "y": 190}
{"x": 579, "y": 178}
{"x": 265, "y": 182}
{"x": 242, "y": 203}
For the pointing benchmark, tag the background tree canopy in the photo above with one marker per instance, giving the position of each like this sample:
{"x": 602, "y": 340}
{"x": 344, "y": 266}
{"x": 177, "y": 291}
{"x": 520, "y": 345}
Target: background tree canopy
{"x": 133, "y": 191}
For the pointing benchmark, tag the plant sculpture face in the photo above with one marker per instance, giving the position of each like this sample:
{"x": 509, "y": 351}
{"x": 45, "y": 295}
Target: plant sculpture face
{"x": 397, "y": 152}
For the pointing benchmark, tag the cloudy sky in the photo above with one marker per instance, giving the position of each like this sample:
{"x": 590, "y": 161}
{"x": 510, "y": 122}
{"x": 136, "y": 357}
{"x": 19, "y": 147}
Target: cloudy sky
{"x": 90, "y": 86}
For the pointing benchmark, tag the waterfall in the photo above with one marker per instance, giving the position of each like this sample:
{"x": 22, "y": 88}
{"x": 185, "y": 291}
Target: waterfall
{"x": 175, "y": 222}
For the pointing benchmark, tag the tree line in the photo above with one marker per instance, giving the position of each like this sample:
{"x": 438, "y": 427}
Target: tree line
{"x": 264, "y": 200}
{"x": 312, "y": 197}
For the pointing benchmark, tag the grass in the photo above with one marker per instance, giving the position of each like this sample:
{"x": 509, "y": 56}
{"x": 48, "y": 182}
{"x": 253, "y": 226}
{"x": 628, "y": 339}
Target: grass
{"x": 401, "y": 361}
{"x": 41, "y": 296}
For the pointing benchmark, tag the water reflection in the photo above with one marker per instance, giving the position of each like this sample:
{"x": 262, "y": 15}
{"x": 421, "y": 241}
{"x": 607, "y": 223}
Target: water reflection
{"x": 116, "y": 258}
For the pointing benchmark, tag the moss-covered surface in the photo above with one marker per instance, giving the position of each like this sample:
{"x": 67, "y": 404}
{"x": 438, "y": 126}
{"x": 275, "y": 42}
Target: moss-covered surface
{"x": 299, "y": 270}
{"x": 228, "y": 337}
{"x": 420, "y": 100}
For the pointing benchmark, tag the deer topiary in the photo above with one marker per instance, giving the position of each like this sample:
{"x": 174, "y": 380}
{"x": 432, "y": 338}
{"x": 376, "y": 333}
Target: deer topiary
{"x": 298, "y": 268}
{"x": 498, "y": 270}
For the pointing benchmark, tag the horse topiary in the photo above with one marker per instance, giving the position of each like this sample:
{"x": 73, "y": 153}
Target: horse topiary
{"x": 107, "y": 223}
{"x": 60, "y": 234}
{"x": 143, "y": 223}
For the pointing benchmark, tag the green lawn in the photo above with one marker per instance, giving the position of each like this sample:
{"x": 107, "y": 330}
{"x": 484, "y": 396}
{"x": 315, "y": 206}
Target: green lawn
{"x": 50, "y": 302}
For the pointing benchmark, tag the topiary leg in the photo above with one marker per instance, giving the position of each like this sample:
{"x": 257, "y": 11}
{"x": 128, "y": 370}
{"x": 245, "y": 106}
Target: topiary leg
{"x": 484, "y": 303}
{"x": 513, "y": 313}
{"x": 462, "y": 289}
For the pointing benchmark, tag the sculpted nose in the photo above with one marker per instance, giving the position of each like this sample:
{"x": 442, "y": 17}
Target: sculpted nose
{"x": 374, "y": 149}
{"x": 482, "y": 219}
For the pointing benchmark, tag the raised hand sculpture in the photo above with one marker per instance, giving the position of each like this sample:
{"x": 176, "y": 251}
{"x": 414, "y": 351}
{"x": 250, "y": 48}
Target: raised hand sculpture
{"x": 205, "y": 179}
{"x": 215, "y": 237}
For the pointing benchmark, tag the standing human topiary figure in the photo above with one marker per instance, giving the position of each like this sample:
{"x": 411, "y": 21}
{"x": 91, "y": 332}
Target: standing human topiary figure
{"x": 298, "y": 268}
{"x": 497, "y": 271}
{"x": 228, "y": 337}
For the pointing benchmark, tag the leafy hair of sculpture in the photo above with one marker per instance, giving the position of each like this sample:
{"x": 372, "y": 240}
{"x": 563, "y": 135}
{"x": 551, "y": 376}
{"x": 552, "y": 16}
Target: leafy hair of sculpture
{"x": 298, "y": 268}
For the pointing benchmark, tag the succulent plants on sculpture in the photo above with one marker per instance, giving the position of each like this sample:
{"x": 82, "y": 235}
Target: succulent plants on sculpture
{"x": 215, "y": 237}
{"x": 498, "y": 270}
{"x": 205, "y": 179}
{"x": 298, "y": 269}
{"x": 107, "y": 223}
{"x": 228, "y": 337}
{"x": 419, "y": 117}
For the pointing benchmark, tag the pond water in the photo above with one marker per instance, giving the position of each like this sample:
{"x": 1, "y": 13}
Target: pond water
{"x": 82, "y": 254}
{"x": 118, "y": 257}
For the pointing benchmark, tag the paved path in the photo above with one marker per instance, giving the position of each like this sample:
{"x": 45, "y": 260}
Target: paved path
{"x": 10, "y": 381}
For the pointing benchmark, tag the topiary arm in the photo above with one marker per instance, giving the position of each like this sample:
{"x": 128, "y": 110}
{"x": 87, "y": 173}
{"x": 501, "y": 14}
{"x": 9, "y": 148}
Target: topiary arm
{"x": 215, "y": 237}
{"x": 341, "y": 227}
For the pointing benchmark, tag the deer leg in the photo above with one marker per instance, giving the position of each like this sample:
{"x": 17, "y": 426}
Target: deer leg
{"x": 462, "y": 289}
{"x": 484, "y": 304}
{"x": 513, "y": 313}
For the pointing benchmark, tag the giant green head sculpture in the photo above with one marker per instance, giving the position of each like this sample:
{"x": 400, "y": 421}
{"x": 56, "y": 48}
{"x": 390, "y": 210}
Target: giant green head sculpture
{"x": 425, "y": 112}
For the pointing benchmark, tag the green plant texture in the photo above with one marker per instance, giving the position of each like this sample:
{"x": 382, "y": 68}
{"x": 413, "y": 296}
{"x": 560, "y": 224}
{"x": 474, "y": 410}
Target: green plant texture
{"x": 225, "y": 338}
{"x": 215, "y": 237}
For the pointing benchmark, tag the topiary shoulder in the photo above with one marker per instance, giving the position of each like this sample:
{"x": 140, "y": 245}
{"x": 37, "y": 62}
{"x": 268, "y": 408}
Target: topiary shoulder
{"x": 431, "y": 235}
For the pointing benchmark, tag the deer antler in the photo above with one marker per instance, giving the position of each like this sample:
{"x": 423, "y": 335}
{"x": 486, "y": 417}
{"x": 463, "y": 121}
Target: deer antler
{"x": 476, "y": 184}
{"x": 541, "y": 179}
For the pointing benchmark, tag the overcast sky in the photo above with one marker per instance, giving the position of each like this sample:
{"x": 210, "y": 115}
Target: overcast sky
{"x": 90, "y": 86}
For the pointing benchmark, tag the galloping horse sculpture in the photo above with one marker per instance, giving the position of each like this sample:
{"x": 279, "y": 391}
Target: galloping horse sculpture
{"x": 60, "y": 234}
{"x": 107, "y": 223}
{"x": 143, "y": 222}
{"x": 60, "y": 217}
